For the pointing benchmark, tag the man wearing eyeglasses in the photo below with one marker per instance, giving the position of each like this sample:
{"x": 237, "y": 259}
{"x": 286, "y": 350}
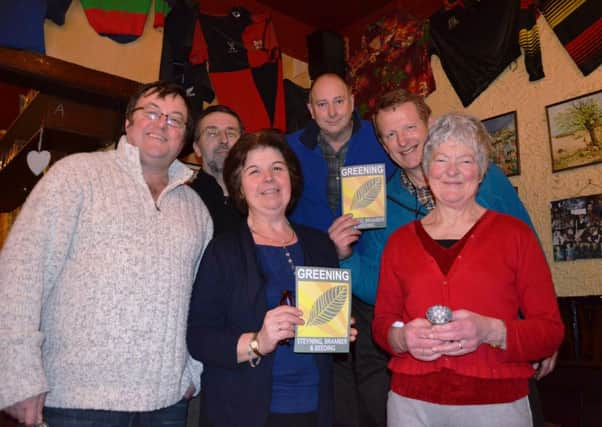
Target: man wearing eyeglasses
{"x": 96, "y": 276}
{"x": 218, "y": 129}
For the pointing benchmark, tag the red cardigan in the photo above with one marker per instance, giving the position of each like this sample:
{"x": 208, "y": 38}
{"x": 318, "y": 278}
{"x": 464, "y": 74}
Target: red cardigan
{"x": 500, "y": 271}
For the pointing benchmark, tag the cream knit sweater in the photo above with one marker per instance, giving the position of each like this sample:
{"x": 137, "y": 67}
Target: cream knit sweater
{"x": 95, "y": 282}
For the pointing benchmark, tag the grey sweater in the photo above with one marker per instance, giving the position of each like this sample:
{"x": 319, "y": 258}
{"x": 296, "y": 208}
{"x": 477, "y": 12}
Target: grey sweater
{"x": 95, "y": 283}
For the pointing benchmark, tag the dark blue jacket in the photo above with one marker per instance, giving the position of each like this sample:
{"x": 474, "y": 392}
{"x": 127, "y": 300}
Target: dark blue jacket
{"x": 229, "y": 299}
{"x": 312, "y": 209}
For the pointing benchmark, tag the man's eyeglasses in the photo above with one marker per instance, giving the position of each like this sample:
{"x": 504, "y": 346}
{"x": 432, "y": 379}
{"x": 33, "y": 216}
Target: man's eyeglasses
{"x": 213, "y": 133}
{"x": 174, "y": 120}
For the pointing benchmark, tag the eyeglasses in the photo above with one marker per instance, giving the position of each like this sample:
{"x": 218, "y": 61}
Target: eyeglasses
{"x": 213, "y": 133}
{"x": 174, "y": 120}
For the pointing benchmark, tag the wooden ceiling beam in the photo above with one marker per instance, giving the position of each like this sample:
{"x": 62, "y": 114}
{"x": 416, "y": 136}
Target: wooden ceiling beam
{"x": 56, "y": 77}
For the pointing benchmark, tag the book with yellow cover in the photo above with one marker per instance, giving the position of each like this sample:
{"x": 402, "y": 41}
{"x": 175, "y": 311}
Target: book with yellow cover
{"x": 324, "y": 296}
{"x": 363, "y": 194}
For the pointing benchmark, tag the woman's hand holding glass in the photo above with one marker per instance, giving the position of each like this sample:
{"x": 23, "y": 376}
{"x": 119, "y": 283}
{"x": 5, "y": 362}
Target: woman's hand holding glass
{"x": 466, "y": 332}
{"x": 415, "y": 337}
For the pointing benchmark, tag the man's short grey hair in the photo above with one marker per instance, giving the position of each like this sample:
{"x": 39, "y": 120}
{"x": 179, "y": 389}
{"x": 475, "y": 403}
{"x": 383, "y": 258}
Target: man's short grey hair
{"x": 464, "y": 129}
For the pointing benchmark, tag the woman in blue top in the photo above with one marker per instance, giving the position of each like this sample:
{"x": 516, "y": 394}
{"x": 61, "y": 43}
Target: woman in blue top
{"x": 237, "y": 327}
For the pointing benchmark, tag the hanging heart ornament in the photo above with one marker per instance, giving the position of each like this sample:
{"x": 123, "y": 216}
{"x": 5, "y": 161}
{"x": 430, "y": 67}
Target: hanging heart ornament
{"x": 38, "y": 161}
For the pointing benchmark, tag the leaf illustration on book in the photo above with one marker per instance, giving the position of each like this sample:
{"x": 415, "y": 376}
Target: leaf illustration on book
{"x": 366, "y": 193}
{"x": 327, "y": 306}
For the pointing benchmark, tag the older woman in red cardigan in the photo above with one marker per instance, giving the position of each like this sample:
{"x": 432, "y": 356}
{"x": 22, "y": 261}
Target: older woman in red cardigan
{"x": 495, "y": 306}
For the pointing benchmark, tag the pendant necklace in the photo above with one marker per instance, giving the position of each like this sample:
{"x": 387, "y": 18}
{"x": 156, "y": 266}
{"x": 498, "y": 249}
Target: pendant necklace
{"x": 282, "y": 243}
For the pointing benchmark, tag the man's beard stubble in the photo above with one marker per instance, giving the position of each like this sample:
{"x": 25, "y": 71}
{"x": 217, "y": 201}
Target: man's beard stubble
{"x": 215, "y": 168}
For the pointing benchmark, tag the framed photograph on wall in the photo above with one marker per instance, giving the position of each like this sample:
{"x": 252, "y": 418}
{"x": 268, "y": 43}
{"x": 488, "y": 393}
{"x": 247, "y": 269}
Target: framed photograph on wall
{"x": 575, "y": 128}
{"x": 504, "y": 136}
{"x": 577, "y": 228}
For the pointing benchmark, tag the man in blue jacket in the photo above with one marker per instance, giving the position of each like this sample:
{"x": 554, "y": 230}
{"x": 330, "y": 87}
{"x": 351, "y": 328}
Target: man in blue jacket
{"x": 337, "y": 137}
{"x": 401, "y": 122}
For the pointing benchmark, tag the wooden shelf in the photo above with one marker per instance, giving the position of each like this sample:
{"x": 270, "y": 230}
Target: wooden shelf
{"x": 56, "y": 77}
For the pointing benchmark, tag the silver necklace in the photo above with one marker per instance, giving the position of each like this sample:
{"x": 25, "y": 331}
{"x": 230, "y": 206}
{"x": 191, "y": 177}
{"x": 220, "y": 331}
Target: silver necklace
{"x": 281, "y": 243}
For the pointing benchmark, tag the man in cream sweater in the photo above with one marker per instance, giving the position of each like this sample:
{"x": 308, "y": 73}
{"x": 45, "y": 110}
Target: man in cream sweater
{"x": 96, "y": 276}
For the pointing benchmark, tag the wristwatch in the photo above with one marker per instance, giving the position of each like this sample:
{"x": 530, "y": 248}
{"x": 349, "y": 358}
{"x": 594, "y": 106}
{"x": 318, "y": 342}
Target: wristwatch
{"x": 254, "y": 346}
{"x": 253, "y": 352}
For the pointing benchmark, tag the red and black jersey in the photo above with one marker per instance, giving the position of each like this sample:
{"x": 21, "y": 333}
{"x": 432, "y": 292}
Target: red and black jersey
{"x": 578, "y": 25}
{"x": 175, "y": 66}
{"x": 245, "y": 65}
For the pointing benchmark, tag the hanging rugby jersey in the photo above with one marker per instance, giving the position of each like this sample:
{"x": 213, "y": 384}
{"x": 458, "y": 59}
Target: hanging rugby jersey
{"x": 22, "y": 24}
{"x": 245, "y": 65}
{"x": 528, "y": 38}
{"x": 393, "y": 55}
{"x": 175, "y": 66}
{"x": 578, "y": 26}
{"x": 476, "y": 41}
{"x": 123, "y": 20}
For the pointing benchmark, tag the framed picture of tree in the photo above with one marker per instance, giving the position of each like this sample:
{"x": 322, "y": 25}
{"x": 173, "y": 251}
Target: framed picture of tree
{"x": 504, "y": 136}
{"x": 575, "y": 128}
